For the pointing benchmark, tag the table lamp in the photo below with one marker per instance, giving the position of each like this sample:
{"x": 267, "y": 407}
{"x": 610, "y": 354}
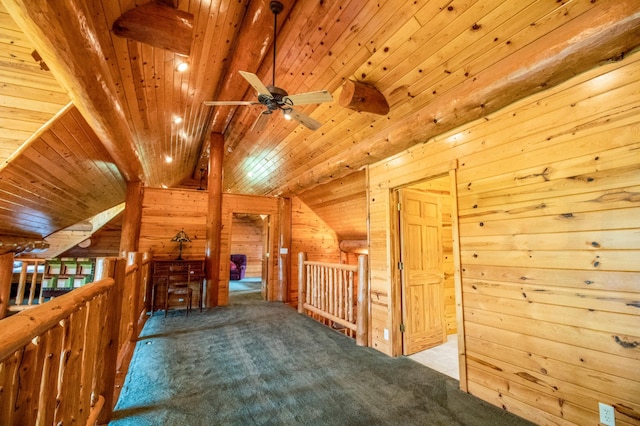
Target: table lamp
{"x": 181, "y": 237}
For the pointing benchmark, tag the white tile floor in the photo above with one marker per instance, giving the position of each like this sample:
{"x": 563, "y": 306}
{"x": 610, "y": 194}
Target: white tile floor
{"x": 442, "y": 358}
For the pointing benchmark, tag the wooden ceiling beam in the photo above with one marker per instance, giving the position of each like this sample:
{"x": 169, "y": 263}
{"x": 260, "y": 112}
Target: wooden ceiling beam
{"x": 157, "y": 24}
{"x": 19, "y": 244}
{"x": 606, "y": 32}
{"x": 252, "y": 46}
{"x": 361, "y": 97}
{"x": 76, "y": 53}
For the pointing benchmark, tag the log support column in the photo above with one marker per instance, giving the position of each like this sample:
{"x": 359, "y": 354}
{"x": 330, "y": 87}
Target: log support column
{"x": 132, "y": 218}
{"x": 214, "y": 220}
{"x": 6, "y": 271}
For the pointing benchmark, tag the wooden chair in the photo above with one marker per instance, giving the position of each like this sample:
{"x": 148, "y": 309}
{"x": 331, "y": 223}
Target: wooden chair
{"x": 178, "y": 285}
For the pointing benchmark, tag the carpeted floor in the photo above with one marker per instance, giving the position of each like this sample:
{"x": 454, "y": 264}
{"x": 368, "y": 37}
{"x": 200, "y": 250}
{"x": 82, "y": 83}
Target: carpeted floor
{"x": 260, "y": 363}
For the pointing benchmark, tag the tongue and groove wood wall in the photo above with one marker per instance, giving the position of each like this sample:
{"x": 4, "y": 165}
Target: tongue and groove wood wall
{"x": 548, "y": 205}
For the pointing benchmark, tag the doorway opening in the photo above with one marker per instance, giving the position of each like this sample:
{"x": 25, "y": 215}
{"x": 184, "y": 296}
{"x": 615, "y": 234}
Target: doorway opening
{"x": 427, "y": 271}
{"x": 248, "y": 271}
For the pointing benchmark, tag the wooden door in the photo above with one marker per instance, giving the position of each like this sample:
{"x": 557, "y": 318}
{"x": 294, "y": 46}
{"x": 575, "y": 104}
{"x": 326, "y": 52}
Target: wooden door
{"x": 422, "y": 271}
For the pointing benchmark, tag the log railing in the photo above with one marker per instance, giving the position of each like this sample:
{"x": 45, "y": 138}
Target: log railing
{"x": 28, "y": 282}
{"x": 58, "y": 360}
{"x": 337, "y": 293}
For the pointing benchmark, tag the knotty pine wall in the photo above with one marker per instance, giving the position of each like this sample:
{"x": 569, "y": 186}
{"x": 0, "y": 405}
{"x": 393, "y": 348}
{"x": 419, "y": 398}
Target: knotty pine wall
{"x": 167, "y": 211}
{"x": 548, "y": 208}
{"x": 246, "y": 238}
{"x": 342, "y": 205}
{"x": 311, "y": 235}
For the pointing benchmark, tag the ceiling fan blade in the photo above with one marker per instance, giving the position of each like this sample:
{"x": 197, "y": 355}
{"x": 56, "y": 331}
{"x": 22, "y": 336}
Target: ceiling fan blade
{"x": 304, "y": 119}
{"x": 309, "y": 98}
{"x": 256, "y": 83}
{"x": 261, "y": 121}
{"x": 216, "y": 103}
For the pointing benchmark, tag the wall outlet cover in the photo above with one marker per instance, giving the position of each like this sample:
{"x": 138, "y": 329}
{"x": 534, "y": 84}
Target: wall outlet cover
{"x": 607, "y": 414}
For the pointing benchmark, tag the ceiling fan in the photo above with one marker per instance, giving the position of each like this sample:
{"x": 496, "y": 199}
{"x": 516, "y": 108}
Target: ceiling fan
{"x": 275, "y": 98}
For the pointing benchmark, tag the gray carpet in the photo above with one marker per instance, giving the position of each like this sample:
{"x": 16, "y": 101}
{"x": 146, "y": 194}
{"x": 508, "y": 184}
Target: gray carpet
{"x": 259, "y": 363}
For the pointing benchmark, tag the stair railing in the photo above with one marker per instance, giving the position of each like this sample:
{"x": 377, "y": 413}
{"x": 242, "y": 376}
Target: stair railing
{"x": 336, "y": 292}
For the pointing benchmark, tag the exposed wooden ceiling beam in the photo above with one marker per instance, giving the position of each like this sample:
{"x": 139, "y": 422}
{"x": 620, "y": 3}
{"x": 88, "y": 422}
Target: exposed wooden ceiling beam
{"x": 77, "y": 55}
{"x": 157, "y": 24}
{"x": 604, "y": 33}
{"x": 360, "y": 97}
{"x": 17, "y": 244}
{"x": 253, "y": 44}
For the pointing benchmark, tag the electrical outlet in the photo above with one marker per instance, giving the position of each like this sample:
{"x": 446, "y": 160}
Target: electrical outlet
{"x": 607, "y": 415}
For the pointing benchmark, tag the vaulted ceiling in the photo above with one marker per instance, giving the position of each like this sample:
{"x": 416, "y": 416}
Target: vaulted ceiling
{"x": 439, "y": 64}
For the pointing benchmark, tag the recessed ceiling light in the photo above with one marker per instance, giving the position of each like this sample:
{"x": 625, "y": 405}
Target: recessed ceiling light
{"x": 177, "y": 120}
{"x": 168, "y": 159}
{"x": 182, "y": 66}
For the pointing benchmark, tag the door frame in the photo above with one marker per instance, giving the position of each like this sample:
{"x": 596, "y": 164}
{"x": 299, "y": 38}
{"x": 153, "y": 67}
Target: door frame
{"x": 396, "y": 281}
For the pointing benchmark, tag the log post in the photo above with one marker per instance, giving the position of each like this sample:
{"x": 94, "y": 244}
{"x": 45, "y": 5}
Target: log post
{"x": 284, "y": 267}
{"x": 362, "y": 323}
{"x": 136, "y": 259}
{"x": 115, "y": 268}
{"x": 360, "y": 97}
{"x": 214, "y": 219}
{"x": 132, "y": 217}
{"x": 6, "y": 271}
{"x": 302, "y": 257}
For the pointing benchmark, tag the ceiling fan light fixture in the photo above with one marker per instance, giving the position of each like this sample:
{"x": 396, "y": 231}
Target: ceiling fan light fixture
{"x": 273, "y": 97}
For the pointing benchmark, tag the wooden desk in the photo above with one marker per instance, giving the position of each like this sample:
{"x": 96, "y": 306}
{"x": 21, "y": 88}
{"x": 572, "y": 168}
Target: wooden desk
{"x": 162, "y": 274}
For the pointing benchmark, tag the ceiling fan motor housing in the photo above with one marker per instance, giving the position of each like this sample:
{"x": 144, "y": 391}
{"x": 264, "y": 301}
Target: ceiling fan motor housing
{"x": 276, "y": 100}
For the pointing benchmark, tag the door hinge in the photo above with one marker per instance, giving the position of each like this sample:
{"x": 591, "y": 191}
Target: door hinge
{"x": 400, "y": 266}
{"x": 399, "y": 206}
{"x": 402, "y": 328}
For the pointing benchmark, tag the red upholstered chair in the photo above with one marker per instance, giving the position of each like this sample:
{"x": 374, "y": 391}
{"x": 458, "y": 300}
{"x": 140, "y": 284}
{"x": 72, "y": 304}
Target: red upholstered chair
{"x": 237, "y": 266}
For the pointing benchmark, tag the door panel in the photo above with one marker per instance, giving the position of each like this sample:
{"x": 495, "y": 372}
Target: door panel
{"x": 423, "y": 274}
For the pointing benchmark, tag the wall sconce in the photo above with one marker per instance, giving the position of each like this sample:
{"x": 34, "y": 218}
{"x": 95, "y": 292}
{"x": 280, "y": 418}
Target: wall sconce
{"x": 181, "y": 237}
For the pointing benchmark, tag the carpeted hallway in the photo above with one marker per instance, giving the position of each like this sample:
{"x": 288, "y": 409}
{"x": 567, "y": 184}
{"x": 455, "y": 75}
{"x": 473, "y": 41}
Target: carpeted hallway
{"x": 260, "y": 363}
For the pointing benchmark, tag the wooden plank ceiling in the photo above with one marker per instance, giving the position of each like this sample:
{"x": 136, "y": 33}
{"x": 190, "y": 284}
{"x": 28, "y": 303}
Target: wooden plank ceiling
{"x": 438, "y": 63}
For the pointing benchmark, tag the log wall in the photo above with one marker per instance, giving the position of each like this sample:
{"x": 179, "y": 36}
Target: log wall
{"x": 548, "y": 205}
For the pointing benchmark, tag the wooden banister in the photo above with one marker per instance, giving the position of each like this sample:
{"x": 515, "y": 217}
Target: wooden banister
{"x": 328, "y": 290}
{"x": 21, "y": 328}
{"x": 58, "y": 360}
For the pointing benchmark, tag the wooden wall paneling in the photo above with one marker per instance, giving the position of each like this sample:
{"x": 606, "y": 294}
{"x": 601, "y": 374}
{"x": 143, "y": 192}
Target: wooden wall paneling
{"x": 548, "y": 260}
{"x": 166, "y": 212}
{"x": 311, "y": 235}
{"x": 342, "y": 205}
{"x": 246, "y": 238}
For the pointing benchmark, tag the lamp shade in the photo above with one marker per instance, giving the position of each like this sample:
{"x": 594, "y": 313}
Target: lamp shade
{"x": 181, "y": 237}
